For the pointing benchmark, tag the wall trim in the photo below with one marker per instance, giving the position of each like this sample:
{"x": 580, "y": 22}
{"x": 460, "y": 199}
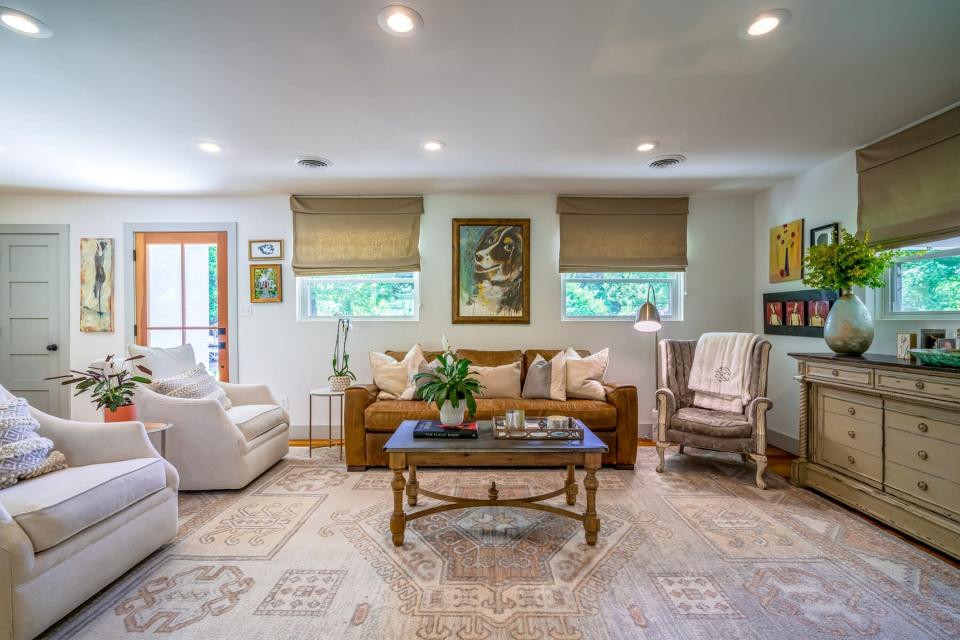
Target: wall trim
{"x": 129, "y": 275}
{"x": 62, "y": 231}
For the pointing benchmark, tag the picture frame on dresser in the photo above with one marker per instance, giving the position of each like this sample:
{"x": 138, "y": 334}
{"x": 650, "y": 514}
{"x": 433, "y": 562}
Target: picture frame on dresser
{"x": 802, "y": 313}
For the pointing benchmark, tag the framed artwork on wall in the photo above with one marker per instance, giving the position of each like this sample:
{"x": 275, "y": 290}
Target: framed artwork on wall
{"x": 265, "y": 249}
{"x": 905, "y": 342}
{"x": 266, "y": 283}
{"x": 96, "y": 285}
{"x": 929, "y": 337}
{"x": 797, "y": 313}
{"x": 786, "y": 251}
{"x": 491, "y": 270}
{"x": 825, "y": 235}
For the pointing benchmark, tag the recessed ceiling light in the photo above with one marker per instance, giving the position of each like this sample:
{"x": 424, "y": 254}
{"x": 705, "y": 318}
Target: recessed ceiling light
{"x": 434, "y": 145}
{"x": 24, "y": 24}
{"x": 399, "y": 20}
{"x": 209, "y": 146}
{"x": 763, "y": 24}
{"x": 649, "y": 145}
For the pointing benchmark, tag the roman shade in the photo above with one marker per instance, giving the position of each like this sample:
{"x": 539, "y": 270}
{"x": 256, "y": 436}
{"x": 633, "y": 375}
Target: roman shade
{"x": 622, "y": 234}
{"x": 909, "y": 184}
{"x": 344, "y": 235}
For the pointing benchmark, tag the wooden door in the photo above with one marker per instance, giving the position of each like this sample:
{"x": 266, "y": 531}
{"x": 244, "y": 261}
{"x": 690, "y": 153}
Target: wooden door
{"x": 181, "y": 294}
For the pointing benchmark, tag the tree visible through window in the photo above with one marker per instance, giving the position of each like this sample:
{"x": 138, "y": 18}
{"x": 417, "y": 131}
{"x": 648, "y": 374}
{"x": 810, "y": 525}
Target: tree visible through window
{"x": 377, "y": 295}
{"x": 619, "y": 295}
{"x": 927, "y": 279}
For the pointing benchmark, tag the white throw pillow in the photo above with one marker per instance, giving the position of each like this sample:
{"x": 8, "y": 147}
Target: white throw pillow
{"x": 585, "y": 375}
{"x": 498, "y": 382}
{"x": 196, "y": 383}
{"x": 395, "y": 378}
{"x": 164, "y": 362}
{"x": 547, "y": 379}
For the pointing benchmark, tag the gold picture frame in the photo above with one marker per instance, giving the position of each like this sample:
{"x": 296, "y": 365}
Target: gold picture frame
{"x": 266, "y": 283}
{"x": 265, "y": 249}
{"x": 491, "y": 283}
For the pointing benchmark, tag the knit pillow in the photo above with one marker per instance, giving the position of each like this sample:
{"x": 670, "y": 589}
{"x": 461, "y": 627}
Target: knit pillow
{"x": 23, "y": 453}
{"x": 196, "y": 383}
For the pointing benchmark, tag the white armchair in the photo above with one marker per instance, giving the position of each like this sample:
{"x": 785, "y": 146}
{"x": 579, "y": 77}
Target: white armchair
{"x": 66, "y": 535}
{"x": 214, "y": 448}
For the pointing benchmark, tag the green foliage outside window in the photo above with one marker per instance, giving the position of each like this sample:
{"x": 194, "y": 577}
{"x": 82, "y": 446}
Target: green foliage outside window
{"x": 928, "y": 285}
{"x": 361, "y": 296}
{"x": 615, "y": 294}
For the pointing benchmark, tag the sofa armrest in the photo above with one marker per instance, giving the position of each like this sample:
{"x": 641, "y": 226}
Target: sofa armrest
{"x": 756, "y": 413}
{"x": 199, "y": 425}
{"x": 16, "y": 561}
{"x": 356, "y": 400}
{"x": 241, "y": 394}
{"x": 624, "y": 398}
{"x": 666, "y": 407}
{"x": 86, "y": 443}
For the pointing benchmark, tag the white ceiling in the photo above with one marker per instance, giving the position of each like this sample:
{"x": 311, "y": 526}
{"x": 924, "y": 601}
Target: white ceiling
{"x": 530, "y": 95}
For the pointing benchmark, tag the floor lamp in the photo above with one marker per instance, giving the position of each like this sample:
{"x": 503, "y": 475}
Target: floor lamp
{"x": 648, "y": 321}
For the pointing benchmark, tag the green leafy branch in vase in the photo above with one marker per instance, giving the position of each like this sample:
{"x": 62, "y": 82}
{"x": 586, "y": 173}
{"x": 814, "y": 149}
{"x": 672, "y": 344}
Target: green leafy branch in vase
{"x": 451, "y": 381}
{"x": 341, "y": 360}
{"x": 111, "y": 385}
{"x": 847, "y": 263}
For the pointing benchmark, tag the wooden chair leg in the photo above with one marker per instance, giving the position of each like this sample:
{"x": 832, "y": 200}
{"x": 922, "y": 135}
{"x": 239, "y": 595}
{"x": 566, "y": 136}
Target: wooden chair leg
{"x": 661, "y": 448}
{"x": 681, "y": 449}
{"x": 761, "y": 461}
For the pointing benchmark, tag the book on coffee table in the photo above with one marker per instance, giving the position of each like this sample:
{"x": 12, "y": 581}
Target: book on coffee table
{"x": 433, "y": 429}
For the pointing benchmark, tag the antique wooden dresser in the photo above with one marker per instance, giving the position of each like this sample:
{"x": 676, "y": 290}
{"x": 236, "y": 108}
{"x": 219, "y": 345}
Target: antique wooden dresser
{"x": 882, "y": 435}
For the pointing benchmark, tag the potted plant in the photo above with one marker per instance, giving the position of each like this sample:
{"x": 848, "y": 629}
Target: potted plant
{"x": 451, "y": 387}
{"x": 111, "y": 386}
{"x": 847, "y": 263}
{"x": 342, "y": 376}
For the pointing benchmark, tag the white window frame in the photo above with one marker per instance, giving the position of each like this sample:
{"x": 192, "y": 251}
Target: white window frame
{"x": 303, "y": 317}
{"x": 886, "y": 296}
{"x": 678, "y": 292}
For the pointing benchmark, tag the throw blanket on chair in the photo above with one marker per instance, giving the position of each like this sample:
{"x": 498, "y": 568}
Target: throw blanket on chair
{"x": 23, "y": 453}
{"x": 721, "y": 370}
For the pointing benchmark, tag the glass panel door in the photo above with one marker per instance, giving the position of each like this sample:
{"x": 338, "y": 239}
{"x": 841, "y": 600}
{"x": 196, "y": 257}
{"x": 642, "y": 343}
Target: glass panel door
{"x": 181, "y": 280}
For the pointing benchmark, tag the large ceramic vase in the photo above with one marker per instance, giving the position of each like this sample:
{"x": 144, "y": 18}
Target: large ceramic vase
{"x": 849, "y": 327}
{"x": 451, "y": 416}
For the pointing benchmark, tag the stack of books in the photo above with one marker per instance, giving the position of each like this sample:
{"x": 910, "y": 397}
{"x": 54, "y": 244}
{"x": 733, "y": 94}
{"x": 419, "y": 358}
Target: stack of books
{"x": 433, "y": 429}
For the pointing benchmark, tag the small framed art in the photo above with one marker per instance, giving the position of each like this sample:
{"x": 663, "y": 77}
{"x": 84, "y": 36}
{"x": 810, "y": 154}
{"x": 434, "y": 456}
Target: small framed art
{"x": 786, "y": 251}
{"x": 825, "y": 235}
{"x": 817, "y": 311}
{"x": 265, "y": 249}
{"x": 266, "y": 283}
{"x": 797, "y": 313}
{"x": 905, "y": 342}
{"x": 929, "y": 337}
{"x": 773, "y": 314}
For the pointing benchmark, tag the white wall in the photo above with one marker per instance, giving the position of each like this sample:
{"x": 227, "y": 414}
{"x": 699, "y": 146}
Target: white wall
{"x": 827, "y": 193}
{"x": 292, "y": 356}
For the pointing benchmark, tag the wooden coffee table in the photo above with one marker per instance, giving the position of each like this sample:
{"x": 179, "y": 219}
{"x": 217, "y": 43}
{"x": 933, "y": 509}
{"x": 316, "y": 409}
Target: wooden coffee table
{"x": 406, "y": 452}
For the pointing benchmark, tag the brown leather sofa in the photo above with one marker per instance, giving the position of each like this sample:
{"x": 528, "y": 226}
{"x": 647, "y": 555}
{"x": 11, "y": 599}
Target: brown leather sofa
{"x": 368, "y": 422}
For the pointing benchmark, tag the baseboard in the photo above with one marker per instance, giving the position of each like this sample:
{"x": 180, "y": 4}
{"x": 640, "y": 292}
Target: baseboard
{"x": 316, "y": 442}
{"x": 783, "y": 441}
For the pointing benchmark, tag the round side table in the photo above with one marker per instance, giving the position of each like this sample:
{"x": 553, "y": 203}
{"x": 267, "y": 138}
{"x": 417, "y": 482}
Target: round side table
{"x": 161, "y": 428}
{"x": 329, "y": 394}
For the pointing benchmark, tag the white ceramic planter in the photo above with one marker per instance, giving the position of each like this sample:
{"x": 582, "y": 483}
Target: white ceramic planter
{"x": 451, "y": 416}
{"x": 339, "y": 383}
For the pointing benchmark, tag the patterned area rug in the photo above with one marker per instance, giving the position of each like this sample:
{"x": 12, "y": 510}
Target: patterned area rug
{"x": 697, "y": 552}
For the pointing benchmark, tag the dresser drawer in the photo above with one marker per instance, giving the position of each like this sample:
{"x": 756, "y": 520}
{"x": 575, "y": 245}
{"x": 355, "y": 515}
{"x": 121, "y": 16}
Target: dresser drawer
{"x": 922, "y": 386}
{"x": 850, "y": 375}
{"x": 857, "y": 434}
{"x": 846, "y": 405}
{"x": 845, "y": 457}
{"x": 929, "y": 421}
{"x": 934, "y": 457}
{"x": 932, "y": 489}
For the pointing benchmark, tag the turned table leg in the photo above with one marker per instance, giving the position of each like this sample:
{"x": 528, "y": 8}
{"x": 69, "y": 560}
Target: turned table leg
{"x": 571, "y": 485}
{"x": 412, "y": 486}
{"x": 591, "y": 523}
{"x": 398, "y": 521}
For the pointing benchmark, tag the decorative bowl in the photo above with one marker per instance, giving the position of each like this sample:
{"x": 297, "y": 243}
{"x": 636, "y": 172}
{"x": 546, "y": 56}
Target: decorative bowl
{"x": 938, "y": 357}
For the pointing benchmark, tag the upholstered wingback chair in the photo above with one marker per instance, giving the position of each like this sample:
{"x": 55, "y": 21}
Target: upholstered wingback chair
{"x": 681, "y": 423}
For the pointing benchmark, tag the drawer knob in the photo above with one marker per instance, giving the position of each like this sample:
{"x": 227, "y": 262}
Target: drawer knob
{"x": 922, "y": 454}
{"x": 850, "y": 459}
{"x": 919, "y": 384}
{"x": 851, "y": 410}
{"x": 922, "y": 485}
{"x": 852, "y": 433}
{"x": 922, "y": 427}
{"x": 834, "y": 373}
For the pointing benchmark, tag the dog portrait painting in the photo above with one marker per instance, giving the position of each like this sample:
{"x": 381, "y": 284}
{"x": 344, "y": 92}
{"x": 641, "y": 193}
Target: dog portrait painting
{"x": 491, "y": 270}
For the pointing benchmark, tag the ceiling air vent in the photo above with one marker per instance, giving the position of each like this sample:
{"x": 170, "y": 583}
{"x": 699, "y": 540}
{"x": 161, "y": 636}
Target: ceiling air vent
{"x": 313, "y": 162}
{"x": 665, "y": 162}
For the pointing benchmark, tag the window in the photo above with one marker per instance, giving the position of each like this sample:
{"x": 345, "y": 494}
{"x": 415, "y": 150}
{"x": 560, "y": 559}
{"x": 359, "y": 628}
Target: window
{"x": 383, "y": 296}
{"x": 618, "y": 296}
{"x": 926, "y": 281}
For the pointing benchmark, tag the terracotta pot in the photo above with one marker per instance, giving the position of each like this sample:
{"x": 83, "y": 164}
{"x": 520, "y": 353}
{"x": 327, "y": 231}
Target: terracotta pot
{"x": 126, "y": 413}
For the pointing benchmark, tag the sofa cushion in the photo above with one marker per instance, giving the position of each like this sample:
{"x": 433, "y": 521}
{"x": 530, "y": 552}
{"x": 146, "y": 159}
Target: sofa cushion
{"x": 23, "y": 453}
{"x": 547, "y": 378}
{"x": 585, "y": 375}
{"x": 384, "y": 416}
{"x": 164, "y": 362}
{"x": 394, "y": 377}
{"x": 716, "y": 424}
{"x": 255, "y": 419}
{"x": 61, "y": 504}
{"x": 498, "y": 382}
{"x": 194, "y": 383}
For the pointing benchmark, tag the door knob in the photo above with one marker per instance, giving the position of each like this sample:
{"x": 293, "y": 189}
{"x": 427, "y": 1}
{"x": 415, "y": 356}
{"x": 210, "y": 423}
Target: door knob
{"x": 52, "y": 347}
